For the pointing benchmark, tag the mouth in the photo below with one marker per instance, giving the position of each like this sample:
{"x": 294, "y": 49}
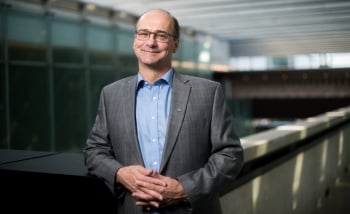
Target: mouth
{"x": 151, "y": 51}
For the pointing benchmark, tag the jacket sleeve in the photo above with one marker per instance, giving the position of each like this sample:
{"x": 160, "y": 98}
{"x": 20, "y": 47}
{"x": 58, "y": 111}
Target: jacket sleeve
{"x": 98, "y": 154}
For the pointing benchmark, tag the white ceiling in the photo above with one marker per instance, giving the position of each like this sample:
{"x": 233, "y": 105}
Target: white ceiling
{"x": 271, "y": 26}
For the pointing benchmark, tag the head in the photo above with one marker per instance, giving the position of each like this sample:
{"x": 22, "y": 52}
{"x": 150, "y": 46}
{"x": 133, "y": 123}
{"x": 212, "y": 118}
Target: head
{"x": 156, "y": 51}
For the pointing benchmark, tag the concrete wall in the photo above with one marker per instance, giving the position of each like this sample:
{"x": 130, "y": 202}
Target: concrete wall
{"x": 304, "y": 179}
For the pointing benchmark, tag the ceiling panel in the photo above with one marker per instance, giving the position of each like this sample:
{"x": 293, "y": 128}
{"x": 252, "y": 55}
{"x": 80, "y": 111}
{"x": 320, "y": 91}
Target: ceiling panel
{"x": 264, "y": 21}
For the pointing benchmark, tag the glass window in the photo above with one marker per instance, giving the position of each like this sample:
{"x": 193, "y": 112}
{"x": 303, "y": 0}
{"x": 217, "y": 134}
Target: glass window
{"x": 340, "y": 60}
{"x": 99, "y": 38}
{"x": 259, "y": 63}
{"x": 125, "y": 40}
{"x": 25, "y": 51}
{"x": 67, "y": 55}
{"x": 26, "y": 28}
{"x": 67, "y": 34}
{"x": 189, "y": 49}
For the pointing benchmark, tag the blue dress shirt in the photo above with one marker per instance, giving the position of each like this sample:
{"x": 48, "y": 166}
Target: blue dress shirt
{"x": 152, "y": 110}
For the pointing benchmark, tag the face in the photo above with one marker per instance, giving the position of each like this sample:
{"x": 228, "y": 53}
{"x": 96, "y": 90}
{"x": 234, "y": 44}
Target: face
{"x": 151, "y": 52}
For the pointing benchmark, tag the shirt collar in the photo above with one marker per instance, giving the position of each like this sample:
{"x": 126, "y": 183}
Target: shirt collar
{"x": 167, "y": 77}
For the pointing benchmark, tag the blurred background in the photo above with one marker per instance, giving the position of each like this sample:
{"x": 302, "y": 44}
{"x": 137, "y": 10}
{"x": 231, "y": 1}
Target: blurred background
{"x": 279, "y": 61}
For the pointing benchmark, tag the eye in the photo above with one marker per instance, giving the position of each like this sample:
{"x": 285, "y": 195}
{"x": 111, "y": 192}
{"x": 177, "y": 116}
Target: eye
{"x": 143, "y": 34}
{"x": 162, "y": 36}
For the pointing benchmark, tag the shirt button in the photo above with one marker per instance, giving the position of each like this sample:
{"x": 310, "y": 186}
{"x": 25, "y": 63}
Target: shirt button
{"x": 153, "y": 140}
{"x": 153, "y": 117}
{"x": 154, "y": 98}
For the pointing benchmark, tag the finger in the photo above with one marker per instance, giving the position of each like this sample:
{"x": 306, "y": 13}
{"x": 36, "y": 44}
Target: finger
{"x": 151, "y": 180}
{"x": 148, "y": 204}
{"x": 145, "y": 172}
{"x": 140, "y": 195}
{"x": 142, "y": 203}
{"x": 146, "y": 194}
{"x": 154, "y": 204}
{"x": 151, "y": 189}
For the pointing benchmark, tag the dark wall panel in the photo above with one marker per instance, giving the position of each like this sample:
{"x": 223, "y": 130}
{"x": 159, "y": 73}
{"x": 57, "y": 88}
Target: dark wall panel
{"x": 29, "y": 108}
{"x": 70, "y": 109}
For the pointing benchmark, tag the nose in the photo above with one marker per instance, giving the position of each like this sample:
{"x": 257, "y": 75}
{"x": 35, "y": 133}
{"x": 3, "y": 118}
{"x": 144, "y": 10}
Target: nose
{"x": 152, "y": 39}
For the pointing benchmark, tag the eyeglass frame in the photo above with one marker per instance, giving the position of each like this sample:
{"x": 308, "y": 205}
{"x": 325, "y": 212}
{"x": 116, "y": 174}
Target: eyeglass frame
{"x": 156, "y": 35}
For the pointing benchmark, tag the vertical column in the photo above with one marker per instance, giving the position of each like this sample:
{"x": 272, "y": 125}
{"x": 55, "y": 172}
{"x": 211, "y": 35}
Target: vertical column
{"x": 3, "y": 8}
{"x": 51, "y": 94}
{"x": 86, "y": 67}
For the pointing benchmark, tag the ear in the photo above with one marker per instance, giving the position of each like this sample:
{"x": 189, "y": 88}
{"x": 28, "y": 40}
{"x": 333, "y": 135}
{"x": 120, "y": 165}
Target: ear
{"x": 176, "y": 45}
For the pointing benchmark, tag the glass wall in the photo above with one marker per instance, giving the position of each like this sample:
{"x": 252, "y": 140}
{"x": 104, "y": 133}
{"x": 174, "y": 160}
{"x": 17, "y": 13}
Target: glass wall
{"x": 52, "y": 70}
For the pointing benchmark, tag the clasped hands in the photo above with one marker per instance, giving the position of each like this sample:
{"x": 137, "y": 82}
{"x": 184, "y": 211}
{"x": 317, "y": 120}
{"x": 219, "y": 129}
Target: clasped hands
{"x": 149, "y": 188}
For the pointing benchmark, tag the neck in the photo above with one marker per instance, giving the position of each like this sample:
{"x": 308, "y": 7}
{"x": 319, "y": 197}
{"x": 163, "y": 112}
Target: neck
{"x": 151, "y": 75}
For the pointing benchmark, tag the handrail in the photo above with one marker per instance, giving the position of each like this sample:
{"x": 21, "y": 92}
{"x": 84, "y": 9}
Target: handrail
{"x": 267, "y": 149}
{"x": 266, "y": 142}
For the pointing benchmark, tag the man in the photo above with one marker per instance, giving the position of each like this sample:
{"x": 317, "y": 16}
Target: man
{"x": 163, "y": 142}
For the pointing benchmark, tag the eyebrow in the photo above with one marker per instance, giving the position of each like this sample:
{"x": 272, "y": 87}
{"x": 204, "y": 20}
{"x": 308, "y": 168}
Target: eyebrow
{"x": 157, "y": 31}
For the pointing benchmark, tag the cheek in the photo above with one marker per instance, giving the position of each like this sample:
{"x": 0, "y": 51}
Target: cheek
{"x": 134, "y": 46}
{"x": 137, "y": 44}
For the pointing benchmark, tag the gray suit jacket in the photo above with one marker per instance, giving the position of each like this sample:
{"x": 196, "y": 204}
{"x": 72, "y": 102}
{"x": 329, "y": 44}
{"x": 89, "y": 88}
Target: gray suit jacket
{"x": 201, "y": 149}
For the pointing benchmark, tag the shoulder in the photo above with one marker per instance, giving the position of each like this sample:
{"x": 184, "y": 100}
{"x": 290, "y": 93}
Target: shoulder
{"x": 196, "y": 81}
{"x": 120, "y": 83}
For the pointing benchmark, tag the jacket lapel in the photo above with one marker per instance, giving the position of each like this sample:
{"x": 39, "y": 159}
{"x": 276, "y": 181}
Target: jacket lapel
{"x": 129, "y": 105}
{"x": 179, "y": 99}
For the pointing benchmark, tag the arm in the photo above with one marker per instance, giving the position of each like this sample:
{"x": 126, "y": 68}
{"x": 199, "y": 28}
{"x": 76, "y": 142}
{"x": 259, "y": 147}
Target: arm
{"x": 98, "y": 153}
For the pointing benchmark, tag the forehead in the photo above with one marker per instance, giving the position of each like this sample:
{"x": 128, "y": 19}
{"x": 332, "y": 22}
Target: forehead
{"x": 157, "y": 20}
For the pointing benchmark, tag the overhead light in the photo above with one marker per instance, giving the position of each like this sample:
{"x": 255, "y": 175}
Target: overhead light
{"x": 90, "y": 7}
{"x": 123, "y": 14}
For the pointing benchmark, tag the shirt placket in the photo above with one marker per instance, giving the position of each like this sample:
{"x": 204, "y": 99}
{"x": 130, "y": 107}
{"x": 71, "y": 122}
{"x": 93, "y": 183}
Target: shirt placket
{"x": 154, "y": 144}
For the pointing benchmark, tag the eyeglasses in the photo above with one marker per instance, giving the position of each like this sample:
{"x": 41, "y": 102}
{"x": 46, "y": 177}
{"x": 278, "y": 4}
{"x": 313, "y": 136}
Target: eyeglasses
{"x": 160, "y": 36}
